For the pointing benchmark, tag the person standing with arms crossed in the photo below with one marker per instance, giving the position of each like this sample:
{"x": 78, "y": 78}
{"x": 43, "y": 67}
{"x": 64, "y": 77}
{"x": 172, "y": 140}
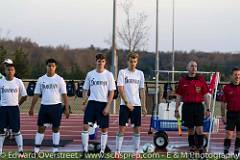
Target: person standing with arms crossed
{"x": 100, "y": 82}
{"x": 131, "y": 88}
{"x": 52, "y": 87}
{"x": 192, "y": 90}
{"x": 230, "y": 102}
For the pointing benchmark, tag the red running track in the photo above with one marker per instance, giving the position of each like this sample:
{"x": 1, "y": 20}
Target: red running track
{"x": 71, "y": 130}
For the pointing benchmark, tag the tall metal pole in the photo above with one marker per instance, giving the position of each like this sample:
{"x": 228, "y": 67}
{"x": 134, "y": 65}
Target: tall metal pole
{"x": 114, "y": 52}
{"x": 173, "y": 39}
{"x": 156, "y": 63}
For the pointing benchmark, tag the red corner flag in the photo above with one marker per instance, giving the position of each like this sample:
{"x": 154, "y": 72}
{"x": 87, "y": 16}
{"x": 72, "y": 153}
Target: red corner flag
{"x": 213, "y": 82}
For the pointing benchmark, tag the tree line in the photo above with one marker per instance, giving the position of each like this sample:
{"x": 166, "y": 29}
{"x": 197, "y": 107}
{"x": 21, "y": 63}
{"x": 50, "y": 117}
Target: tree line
{"x": 30, "y": 58}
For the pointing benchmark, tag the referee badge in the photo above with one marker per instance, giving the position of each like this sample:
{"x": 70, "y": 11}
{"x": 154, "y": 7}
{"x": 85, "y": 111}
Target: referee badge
{"x": 198, "y": 89}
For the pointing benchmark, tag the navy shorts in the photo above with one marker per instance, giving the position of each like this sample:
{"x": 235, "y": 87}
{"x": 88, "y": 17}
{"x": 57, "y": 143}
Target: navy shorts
{"x": 192, "y": 114}
{"x": 94, "y": 113}
{"x": 10, "y": 118}
{"x": 233, "y": 121}
{"x": 50, "y": 114}
{"x": 125, "y": 114}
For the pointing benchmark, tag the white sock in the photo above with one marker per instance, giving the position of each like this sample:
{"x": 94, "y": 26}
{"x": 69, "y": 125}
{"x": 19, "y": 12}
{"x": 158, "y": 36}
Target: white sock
{"x": 56, "y": 140}
{"x": 19, "y": 141}
{"x": 104, "y": 137}
{"x": 85, "y": 137}
{"x": 36, "y": 149}
{"x": 55, "y": 149}
{"x": 119, "y": 141}
{"x": 2, "y": 138}
{"x": 136, "y": 142}
{"x": 38, "y": 141}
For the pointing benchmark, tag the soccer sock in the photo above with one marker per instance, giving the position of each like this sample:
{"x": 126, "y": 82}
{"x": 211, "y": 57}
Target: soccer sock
{"x": 56, "y": 140}
{"x": 191, "y": 140}
{"x": 104, "y": 137}
{"x": 136, "y": 142}
{"x": 2, "y": 138}
{"x": 38, "y": 141}
{"x": 85, "y": 137}
{"x": 119, "y": 141}
{"x": 237, "y": 146}
{"x": 19, "y": 141}
{"x": 199, "y": 139}
{"x": 227, "y": 143}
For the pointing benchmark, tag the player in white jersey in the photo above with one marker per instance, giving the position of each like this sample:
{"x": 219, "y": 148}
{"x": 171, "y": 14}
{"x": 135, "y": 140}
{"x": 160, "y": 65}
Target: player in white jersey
{"x": 4, "y": 64}
{"x": 100, "y": 82}
{"x": 131, "y": 88}
{"x": 11, "y": 88}
{"x": 52, "y": 87}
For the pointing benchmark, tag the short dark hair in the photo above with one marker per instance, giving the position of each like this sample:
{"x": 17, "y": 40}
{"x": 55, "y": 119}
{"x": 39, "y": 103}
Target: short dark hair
{"x": 235, "y": 69}
{"x": 10, "y": 65}
{"x": 100, "y": 56}
{"x": 51, "y": 60}
{"x": 132, "y": 55}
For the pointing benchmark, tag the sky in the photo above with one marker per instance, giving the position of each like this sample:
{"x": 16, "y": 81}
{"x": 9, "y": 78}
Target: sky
{"x": 206, "y": 25}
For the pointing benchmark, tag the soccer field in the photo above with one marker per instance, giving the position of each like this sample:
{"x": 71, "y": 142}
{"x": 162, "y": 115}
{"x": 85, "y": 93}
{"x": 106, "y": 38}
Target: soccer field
{"x": 126, "y": 156}
{"x": 71, "y": 131}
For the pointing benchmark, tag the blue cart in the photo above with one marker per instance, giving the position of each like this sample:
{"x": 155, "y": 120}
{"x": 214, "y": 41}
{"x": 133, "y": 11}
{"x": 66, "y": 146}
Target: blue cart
{"x": 161, "y": 126}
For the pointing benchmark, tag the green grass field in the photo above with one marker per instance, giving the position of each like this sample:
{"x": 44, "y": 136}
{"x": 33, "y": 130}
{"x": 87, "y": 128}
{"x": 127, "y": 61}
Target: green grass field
{"x": 124, "y": 156}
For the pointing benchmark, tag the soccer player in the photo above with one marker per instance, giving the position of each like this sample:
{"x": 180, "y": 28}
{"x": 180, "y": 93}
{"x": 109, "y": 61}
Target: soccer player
{"x": 231, "y": 104}
{"x": 52, "y": 87}
{"x": 192, "y": 90}
{"x": 11, "y": 88}
{"x": 101, "y": 84}
{"x": 9, "y": 134}
{"x": 130, "y": 85}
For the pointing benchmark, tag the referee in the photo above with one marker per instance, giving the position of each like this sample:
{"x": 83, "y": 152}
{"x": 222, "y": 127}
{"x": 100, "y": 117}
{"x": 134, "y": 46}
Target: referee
{"x": 192, "y": 91}
{"x": 231, "y": 103}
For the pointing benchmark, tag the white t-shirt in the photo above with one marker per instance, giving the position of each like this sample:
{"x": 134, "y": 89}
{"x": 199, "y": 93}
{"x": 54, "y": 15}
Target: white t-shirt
{"x": 99, "y": 85}
{"x": 132, "y": 82}
{"x": 10, "y": 91}
{"x": 51, "y": 89}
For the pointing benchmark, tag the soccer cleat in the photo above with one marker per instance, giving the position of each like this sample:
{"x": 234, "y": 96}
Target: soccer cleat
{"x": 236, "y": 152}
{"x": 117, "y": 156}
{"x": 101, "y": 155}
{"x": 34, "y": 155}
{"x": 21, "y": 155}
{"x": 236, "y": 155}
{"x": 83, "y": 155}
{"x": 225, "y": 151}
